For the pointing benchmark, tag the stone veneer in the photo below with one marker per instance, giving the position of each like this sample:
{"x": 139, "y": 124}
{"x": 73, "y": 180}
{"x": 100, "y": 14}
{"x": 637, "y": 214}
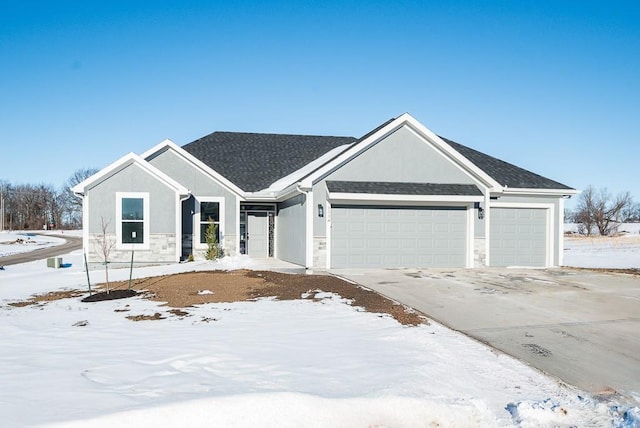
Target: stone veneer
{"x": 162, "y": 249}
{"x": 479, "y": 253}
{"x": 319, "y": 252}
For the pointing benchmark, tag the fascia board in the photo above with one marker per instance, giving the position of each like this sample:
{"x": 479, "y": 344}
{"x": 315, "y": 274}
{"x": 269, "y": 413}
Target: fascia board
{"x": 158, "y": 148}
{"x": 104, "y": 173}
{"x": 448, "y": 150}
{"x": 422, "y": 131}
{"x": 307, "y": 182}
{"x": 540, "y": 192}
{"x": 404, "y": 198}
{"x": 253, "y": 197}
{"x": 122, "y": 163}
{"x": 196, "y": 162}
{"x": 179, "y": 188}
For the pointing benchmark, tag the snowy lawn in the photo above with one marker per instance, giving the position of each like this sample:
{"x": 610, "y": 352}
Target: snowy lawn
{"x": 263, "y": 363}
{"x": 22, "y": 242}
{"x": 622, "y": 251}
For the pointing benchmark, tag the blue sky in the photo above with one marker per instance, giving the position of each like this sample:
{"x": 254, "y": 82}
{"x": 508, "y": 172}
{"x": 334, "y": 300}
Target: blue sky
{"x": 552, "y": 86}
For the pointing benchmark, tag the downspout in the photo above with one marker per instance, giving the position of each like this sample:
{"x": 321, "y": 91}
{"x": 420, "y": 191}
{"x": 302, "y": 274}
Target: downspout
{"x": 308, "y": 226}
{"x": 181, "y": 199}
{"x": 85, "y": 220}
{"x": 487, "y": 228}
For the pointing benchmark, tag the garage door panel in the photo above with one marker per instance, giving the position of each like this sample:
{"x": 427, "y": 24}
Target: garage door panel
{"x": 398, "y": 237}
{"x": 518, "y": 237}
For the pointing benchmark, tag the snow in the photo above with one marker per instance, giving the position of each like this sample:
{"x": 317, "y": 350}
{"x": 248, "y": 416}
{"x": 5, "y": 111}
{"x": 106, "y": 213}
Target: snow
{"x": 265, "y": 363}
{"x": 622, "y": 251}
{"x": 25, "y": 241}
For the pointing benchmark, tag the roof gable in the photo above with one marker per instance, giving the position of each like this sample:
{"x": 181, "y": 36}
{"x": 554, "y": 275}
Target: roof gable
{"x": 405, "y": 120}
{"x": 494, "y": 173}
{"x": 121, "y": 164}
{"x": 255, "y": 161}
{"x": 191, "y": 159}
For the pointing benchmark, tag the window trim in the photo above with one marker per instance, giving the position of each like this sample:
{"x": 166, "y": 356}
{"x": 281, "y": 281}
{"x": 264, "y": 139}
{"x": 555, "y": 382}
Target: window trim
{"x": 196, "y": 220}
{"x": 145, "y": 245}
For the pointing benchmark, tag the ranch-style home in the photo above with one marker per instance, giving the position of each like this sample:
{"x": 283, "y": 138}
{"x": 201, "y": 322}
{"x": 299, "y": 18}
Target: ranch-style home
{"x": 400, "y": 196}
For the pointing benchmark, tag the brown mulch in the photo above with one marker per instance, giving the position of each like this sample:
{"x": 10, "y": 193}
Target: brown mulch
{"x": 194, "y": 288}
{"x": 48, "y": 297}
{"x": 181, "y": 291}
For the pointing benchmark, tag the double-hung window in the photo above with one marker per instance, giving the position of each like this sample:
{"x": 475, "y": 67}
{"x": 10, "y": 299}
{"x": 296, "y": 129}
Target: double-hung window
{"x": 132, "y": 213}
{"x": 210, "y": 211}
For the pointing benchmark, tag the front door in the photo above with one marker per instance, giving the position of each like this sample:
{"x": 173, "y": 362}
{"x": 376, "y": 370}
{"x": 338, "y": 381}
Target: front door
{"x": 257, "y": 241}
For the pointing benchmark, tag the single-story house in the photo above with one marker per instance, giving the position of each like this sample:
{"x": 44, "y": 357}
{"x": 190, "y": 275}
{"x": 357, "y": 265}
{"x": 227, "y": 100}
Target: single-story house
{"x": 400, "y": 196}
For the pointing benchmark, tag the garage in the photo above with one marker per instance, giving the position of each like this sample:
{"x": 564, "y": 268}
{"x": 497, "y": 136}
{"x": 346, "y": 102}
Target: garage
{"x": 377, "y": 236}
{"x": 518, "y": 237}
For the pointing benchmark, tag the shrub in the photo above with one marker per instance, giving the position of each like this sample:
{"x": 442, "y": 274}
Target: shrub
{"x": 214, "y": 250}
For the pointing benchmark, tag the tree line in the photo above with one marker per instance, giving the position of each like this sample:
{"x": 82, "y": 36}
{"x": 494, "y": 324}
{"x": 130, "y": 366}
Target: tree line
{"x": 600, "y": 212}
{"x": 39, "y": 206}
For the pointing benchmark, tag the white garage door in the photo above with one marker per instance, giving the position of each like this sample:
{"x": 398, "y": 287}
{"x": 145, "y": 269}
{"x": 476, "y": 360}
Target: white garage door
{"x": 518, "y": 237}
{"x": 398, "y": 237}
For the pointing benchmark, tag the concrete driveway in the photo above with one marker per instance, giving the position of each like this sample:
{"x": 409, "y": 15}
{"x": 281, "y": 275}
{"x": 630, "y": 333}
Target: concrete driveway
{"x": 580, "y": 326}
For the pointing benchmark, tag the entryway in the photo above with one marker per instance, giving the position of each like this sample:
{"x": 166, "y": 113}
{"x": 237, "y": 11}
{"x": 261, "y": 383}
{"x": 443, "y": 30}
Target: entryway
{"x": 256, "y": 230}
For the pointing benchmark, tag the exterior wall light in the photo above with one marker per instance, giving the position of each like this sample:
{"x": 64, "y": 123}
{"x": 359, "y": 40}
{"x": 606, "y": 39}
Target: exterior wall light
{"x": 320, "y": 210}
{"x": 480, "y": 213}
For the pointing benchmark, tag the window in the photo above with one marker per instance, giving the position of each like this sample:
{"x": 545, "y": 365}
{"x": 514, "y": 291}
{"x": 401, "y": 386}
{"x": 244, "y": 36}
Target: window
{"x": 209, "y": 214}
{"x": 132, "y": 214}
{"x": 132, "y": 220}
{"x": 208, "y": 210}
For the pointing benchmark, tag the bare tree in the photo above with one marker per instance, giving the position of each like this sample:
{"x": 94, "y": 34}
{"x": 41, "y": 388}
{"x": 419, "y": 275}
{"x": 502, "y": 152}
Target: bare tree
{"x": 71, "y": 204}
{"x": 106, "y": 244}
{"x": 631, "y": 214}
{"x": 599, "y": 210}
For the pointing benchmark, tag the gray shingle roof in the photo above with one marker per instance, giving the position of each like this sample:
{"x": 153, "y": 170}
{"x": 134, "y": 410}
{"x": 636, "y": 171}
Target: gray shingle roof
{"x": 389, "y": 188}
{"x": 255, "y": 161}
{"x": 505, "y": 173}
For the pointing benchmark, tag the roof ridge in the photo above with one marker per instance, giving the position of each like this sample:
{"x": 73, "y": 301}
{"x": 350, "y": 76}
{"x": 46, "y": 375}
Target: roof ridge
{"x": 275, "y": 134}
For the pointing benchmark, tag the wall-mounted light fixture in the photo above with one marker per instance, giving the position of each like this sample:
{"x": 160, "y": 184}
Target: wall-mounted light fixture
{"x": 480, "y": 213}
{"x": 320, "y": 210}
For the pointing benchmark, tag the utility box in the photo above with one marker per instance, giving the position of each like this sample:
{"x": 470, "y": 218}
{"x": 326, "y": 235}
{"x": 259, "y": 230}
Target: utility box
{"x": 54, "y": 262}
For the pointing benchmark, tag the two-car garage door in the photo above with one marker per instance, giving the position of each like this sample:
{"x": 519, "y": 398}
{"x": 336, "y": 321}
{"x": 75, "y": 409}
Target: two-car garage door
{"x": 374, "y": 236}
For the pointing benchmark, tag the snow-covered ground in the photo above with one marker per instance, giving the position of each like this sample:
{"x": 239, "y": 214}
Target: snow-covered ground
{"x": 265, "y": 363}
{"x": 622, "y": 251}
{"x": 24, "y": 241}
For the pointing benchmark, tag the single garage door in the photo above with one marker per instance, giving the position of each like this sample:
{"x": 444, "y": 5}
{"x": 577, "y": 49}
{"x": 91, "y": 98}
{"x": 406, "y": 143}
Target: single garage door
{"x": 398, "y": 236}
{"x": 518, "y": 237}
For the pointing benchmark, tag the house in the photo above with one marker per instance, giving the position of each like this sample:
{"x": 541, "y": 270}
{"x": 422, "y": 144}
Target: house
{"x": 400, "y": 196}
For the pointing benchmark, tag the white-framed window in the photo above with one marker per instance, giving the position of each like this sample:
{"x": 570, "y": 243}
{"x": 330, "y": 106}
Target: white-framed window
{"x": 132, "y": 215}
{"x": 209, "y": 211}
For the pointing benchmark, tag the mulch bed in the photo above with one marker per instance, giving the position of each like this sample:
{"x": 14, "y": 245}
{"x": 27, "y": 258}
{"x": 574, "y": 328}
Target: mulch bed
{"x": 184, "y": 290}
{"x": 193, "y": 288}
{"x": 111, "y": 295}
